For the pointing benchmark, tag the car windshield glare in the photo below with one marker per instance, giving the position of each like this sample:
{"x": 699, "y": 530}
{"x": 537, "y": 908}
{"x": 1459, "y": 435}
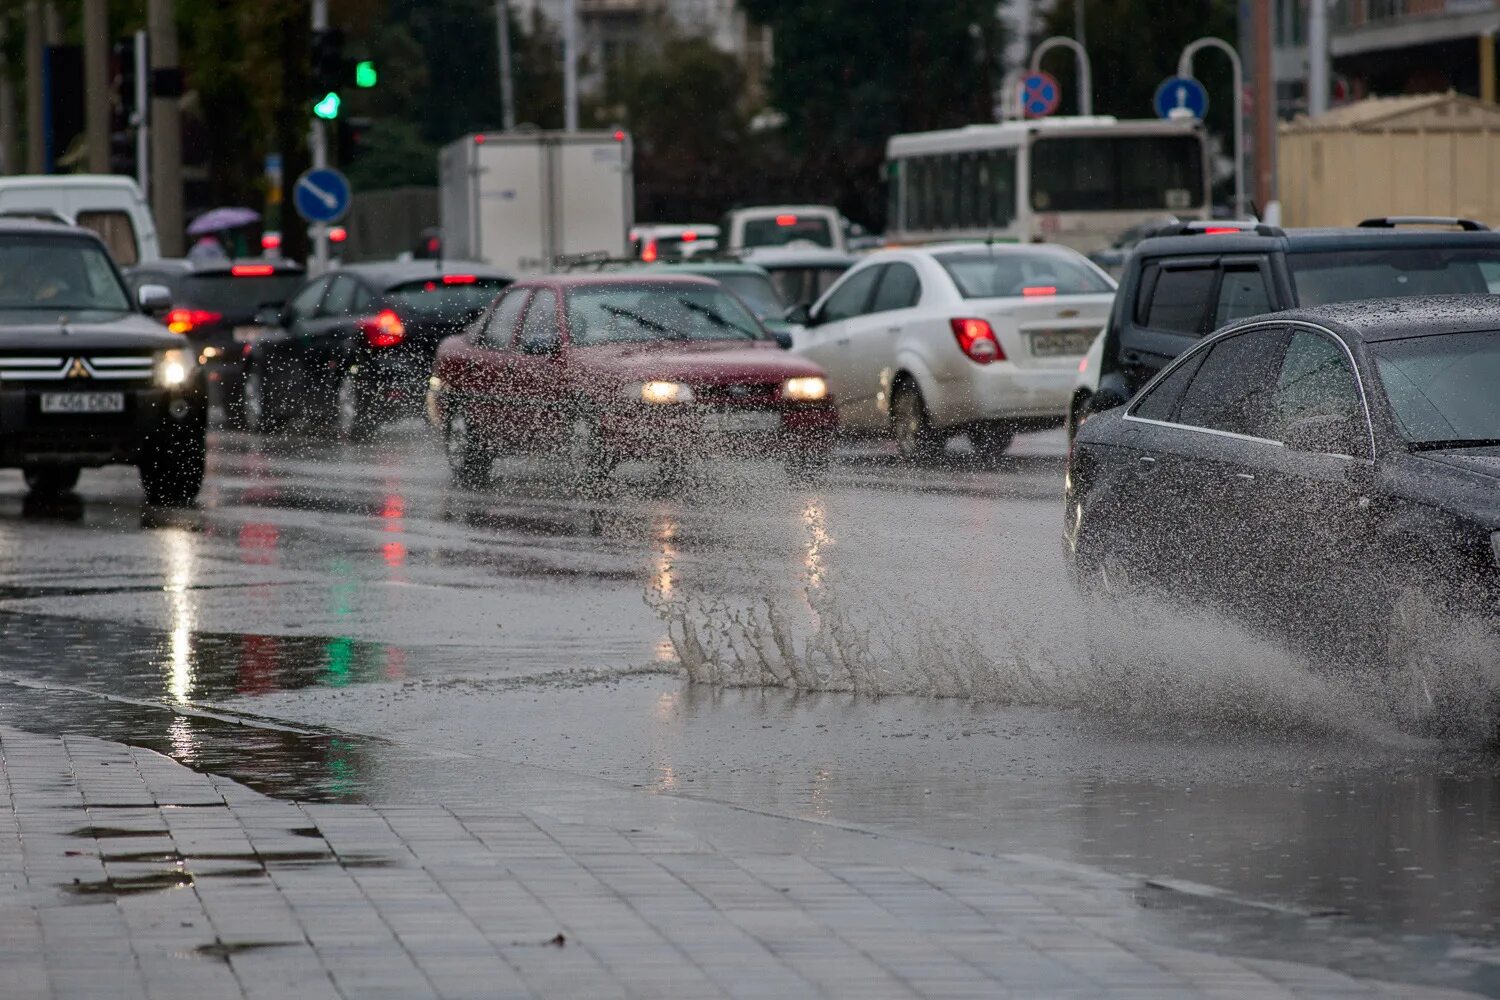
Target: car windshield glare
{"x": 1354, "y": 275}
{"x": 1442, "y": 387}
{"x": 50, "y": 273}
{"x": 983, "y": 275}
{"x": 645, "y": 313}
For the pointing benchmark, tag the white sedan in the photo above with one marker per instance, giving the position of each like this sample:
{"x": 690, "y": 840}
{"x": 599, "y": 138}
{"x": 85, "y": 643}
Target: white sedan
{"x": 927, "y": 342}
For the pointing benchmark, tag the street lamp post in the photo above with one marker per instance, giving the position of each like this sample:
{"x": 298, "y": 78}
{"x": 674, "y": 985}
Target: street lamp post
{"x": 1185, "y": 68}
{"x": 1085, "y": 70}
{"x": 319, "y": 151}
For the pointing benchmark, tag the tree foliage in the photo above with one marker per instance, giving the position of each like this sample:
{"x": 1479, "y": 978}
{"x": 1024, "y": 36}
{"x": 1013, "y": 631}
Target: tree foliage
{"x": 851, "y": 73}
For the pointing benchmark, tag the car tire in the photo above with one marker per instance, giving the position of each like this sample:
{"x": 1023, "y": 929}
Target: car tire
{"x": 588, "y": 462}
{"x": 51, "y": 480}
{"x": 911, "y": 426}
{"x": 354, "y": 418}
{"x": 261, "y": 415}
{"x": 172, "y": 462}
{"x": 991, "y": 441}
{"x": 468, "y": 461}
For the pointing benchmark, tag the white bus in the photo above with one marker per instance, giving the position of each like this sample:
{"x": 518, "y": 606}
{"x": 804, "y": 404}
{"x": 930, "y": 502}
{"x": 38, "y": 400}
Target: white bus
{"x": 1075, "y": 181}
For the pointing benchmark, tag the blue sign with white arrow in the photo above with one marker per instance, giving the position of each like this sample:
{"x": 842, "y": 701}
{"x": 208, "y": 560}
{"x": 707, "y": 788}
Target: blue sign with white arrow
{"x": 322, "y": 195}
{"x": 1180, "y": 97}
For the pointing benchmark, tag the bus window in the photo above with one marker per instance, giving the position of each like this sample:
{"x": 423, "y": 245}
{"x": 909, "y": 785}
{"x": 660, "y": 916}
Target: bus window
{"x": 1002, "y": 187}
{"x": 1116, "y": 173}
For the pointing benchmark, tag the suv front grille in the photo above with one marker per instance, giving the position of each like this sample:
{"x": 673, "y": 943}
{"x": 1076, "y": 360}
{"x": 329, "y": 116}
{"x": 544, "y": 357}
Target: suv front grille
{"x": 79, "y": 367}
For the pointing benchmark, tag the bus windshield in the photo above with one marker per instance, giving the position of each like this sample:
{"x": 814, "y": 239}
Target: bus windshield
{"x": 1116, "y": 173}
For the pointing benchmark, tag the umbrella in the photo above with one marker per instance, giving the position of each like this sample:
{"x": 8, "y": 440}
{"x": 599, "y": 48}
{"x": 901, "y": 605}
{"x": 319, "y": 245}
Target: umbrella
{"x": 216, "y": 220}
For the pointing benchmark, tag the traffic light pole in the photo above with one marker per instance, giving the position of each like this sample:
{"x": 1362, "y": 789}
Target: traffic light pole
{"x": 318, "y": 144}
{"x": 141, "y": 117}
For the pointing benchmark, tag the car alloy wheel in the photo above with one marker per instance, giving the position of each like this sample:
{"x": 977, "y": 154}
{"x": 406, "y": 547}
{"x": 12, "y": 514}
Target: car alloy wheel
{"x": 588, "y": 466}
{"x": 459, "y": 447}
{"x": 910, "y": 425}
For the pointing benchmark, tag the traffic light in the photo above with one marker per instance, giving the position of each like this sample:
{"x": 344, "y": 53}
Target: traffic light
{"x": 353, "y": 133}
{"x": 365, "y": 75}
{"x": 330, "y": 71}
{"x": 328, "y": 108}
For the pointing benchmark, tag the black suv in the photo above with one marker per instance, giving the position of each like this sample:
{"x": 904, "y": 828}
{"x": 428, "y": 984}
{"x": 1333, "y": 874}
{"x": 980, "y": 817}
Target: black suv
{"x": 85, "y": 378}
{"x": 1196, "y": 277}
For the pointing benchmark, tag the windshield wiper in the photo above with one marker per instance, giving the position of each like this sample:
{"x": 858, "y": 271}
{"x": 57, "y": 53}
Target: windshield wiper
{"x": 1454, "y": 443}
{"x": 636, "y": 317}
{"x": 716, "y": 317}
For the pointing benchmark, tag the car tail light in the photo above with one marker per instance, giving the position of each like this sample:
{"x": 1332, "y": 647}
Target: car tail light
{"x": 976, "y": 338}
{"x": 252, "y": 270}
{"x": 384, "y": 329}
{"x": 270, "y": 241}
{"x": 1219, "y": 230}
{"x": 650, "y": 253}
{"x": 689, "y": 236}
{"x": 188, "y": 320}
{"x": 786, "y": 220}
{"x": 338, "y": 234}
{"x": 459, "y": 279}
{"x": 1038, "y": 291}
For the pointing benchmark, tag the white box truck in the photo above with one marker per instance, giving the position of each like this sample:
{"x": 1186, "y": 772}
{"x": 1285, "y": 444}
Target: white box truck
{"x": 521, "y": 200}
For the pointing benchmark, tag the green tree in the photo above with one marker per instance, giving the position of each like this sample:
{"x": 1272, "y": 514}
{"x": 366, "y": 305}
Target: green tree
{"x": 851, "y": 73}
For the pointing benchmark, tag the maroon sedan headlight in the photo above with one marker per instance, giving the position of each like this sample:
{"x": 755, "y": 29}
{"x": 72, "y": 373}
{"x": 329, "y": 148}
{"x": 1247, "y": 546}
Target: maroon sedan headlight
{"x": 807, "y": 389}
{"x": 659, "y": 392}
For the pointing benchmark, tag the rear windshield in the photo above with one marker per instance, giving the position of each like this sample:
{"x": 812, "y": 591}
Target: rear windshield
{"x": 981, "y": 275}
{"x": 788, "y": 230}
{"x": 1442, "y": 388}
{"x": 1346, "y": 276}
{"x": 237, "y": 297}
{"x": 435, "y": 299}
{"x": 757, "y": 291}
{"x": 645, "y": 313}
{"x": 805, "y": 284}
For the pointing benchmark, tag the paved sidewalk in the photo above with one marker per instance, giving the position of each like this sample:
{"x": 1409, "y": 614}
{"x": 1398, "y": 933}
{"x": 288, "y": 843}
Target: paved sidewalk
{"x": 125, "y": 874}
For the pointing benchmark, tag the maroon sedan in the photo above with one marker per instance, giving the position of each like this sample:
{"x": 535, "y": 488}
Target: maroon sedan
{"x": 607, "y": 368}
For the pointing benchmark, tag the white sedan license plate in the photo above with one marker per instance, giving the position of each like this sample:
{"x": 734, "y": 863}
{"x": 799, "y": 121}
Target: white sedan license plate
{"x": 83, "y": 402}
{"x": 741, "y": 423}
{"x": 1057, "y": 343}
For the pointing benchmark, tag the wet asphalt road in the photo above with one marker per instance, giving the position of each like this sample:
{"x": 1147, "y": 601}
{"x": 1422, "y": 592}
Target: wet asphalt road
{"x": 389, "y": 637}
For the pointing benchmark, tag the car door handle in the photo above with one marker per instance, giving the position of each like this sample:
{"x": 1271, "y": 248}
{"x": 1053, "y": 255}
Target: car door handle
{"x": 893, "y": 329}
{"x": 842, "y": 341}
{"x": 1133, "y": 358}
{"x": 1245, "y": 477}
{"x": 1146, "y": 463}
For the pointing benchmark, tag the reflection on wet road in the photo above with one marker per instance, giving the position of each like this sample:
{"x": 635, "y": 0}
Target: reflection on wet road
{"x": 339, "y": 623}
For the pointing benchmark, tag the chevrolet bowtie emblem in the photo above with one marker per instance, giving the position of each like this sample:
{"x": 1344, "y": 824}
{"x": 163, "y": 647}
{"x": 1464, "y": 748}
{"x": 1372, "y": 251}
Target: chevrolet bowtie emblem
{"x": 78, "y": 370}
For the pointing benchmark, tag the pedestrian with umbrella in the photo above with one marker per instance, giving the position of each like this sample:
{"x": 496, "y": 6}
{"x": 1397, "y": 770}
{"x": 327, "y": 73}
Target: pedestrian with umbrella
{"x": 210, "y": 246}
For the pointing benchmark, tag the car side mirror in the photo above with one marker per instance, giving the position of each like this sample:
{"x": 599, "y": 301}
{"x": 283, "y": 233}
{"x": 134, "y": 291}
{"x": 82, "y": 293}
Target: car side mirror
{"x": 801, "y": 314}
{"x": 783, "y": 339}
{"x": 541, "y": 348}
{"x": 154, "y": 300}
{"x": 268, "y": 315}
{"x": 1324, "y": 434}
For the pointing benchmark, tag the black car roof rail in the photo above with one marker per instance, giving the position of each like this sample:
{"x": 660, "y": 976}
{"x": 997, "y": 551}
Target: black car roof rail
{"x": 1392, "y": 221}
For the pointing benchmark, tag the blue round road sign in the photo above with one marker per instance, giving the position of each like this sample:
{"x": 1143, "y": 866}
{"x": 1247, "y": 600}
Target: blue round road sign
{"x": 322, "y": 195}
{"x": 1040, "y": 94}
{"x": 1180, "y": 96}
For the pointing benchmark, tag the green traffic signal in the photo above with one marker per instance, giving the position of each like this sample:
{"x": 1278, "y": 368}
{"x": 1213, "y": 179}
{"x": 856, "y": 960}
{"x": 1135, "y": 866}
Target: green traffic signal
{"x": 364, "y": 74}
{"x": 328, "y": 107}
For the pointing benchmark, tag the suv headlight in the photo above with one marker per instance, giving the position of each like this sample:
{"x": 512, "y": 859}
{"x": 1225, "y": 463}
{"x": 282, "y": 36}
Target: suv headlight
{"x": 175, "y": 368}
{"x": 659, "y": 392}
{"x": 808, "y": 389}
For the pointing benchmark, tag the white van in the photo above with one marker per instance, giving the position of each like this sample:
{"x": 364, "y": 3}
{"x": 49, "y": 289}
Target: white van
{"x": 108, "y": 204}
{"x": 800, "y": 226}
